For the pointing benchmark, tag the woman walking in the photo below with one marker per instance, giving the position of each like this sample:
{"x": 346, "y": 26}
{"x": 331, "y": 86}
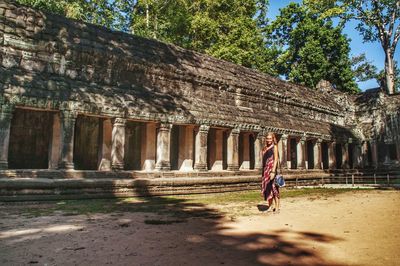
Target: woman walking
{"x": 269, "y": 189}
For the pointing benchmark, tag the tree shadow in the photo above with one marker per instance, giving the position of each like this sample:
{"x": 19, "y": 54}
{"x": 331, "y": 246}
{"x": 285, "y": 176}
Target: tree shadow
{"x": 156, "y": 230}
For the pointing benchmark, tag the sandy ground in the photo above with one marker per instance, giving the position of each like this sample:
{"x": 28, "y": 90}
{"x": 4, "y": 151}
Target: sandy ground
{"x": 353, "y": 228}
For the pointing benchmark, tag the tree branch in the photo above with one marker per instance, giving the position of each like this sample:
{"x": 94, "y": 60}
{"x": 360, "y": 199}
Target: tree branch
{"x": 395, "y": 40}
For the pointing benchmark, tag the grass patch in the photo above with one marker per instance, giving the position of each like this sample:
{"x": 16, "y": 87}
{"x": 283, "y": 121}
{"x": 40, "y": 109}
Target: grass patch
{"x": 180, "y": 206}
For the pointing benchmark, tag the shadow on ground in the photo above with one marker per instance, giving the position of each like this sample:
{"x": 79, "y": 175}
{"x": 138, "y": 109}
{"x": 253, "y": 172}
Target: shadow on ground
{"x": 153, "y": 231}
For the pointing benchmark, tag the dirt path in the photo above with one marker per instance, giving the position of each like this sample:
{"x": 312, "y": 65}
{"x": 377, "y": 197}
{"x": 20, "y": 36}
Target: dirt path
{"x": 353, "y": 228}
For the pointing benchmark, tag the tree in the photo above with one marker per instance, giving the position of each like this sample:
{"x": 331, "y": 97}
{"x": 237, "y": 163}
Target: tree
{"x": 312, "y": 49}
{"x": 379, "y": 20}
{"x": 99, "y": 12}
{"x": 226, "y": 29}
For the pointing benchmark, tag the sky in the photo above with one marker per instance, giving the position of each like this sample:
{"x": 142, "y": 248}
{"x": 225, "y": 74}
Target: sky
{"x": 373, "y": 51}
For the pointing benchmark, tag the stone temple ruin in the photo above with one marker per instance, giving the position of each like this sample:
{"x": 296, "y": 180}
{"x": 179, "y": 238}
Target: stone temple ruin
{"x": 110, "y": 105}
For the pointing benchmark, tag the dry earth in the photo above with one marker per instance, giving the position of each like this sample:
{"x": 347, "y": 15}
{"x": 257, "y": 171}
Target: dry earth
{"x": 352, "y": 228}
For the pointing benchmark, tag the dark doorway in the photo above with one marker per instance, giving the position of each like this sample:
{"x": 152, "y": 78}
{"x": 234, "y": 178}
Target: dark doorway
{"x": 369, "y": 153}
{"x": 351, "y": 155}
{"x": 339, "y": 155}
{"x": 133, "y": 145}
{"x": 310, "y": 154}
{"x": 174, "y": 147}
{"x": 392, "y": 152}
{"x": 325, "y": 155}
{"x": 86, "y": 142}
{"x": 293, "y": 153}
{"x": 30, "y": 137}
{"x": 252, "y": 155}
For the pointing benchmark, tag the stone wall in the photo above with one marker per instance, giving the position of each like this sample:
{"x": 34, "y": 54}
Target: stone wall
{"x": 113, "y": 80}
{"x": 51, "y": 62}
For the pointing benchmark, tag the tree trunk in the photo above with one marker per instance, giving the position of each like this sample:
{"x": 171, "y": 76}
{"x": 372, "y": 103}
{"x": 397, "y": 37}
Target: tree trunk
{"x": 389, "y": 72}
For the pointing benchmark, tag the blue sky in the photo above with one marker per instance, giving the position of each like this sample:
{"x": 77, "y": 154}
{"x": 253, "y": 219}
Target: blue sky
{"x": 373, "y": 51}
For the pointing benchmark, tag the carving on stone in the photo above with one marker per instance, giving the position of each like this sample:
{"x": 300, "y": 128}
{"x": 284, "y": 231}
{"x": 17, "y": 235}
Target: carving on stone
{"x": 119, "y": 122}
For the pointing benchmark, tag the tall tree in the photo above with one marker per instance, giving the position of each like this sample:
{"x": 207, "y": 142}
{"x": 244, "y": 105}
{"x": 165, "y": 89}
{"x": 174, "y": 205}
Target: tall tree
{"x": 99, "y": 12}
{"x": 312, "y": 49}
{"x": 379, "y": 20}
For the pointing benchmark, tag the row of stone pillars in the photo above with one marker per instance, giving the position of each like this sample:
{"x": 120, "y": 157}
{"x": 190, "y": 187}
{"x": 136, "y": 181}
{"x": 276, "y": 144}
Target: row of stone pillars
{"x": 195, "y": 147}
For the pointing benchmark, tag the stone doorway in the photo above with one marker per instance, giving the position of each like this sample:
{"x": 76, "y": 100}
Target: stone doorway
{"x": 351, "y": 155}
{"x": 134, "y": 132}
{"x": 325, "y": 155}
{"x": 310, "y": 154}
{"x": 293, "y": 153}
{"x": 339, "y": 156}
{"x": 87, "y": 142}
{"x": 246, "y": 151}
{"x": 217, "y": 143}
{"x": 182, "y": 147}
{"x": 30, "y": 139}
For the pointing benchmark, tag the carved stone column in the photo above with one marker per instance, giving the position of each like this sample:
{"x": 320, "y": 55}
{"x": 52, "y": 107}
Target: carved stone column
{"x": 5, "y": 123}
{"x": 374, "y": 152}
{"x": 318, "y": 154}
{"x": 200, "y": 162}
{"x": 149, "y": 154}
{"x": 331, "y": 155}
{"x": 258, "y": 146}
{"x": 233, "y": 150}
{"x": 163, "y": 147}
{"x": 283, "y": 153}
{"x": 357, "y": 156}
{"x": 118, "y": 144}
{"x": 55, "y": 146}
{"x": 301, "y": 148}
{"x": 68, "y": 119}
{"x": 244, "y": 150}
{"x": 364, "y": 154}
{"x": 345, "y": 156}
{"x": 105, "y": 145}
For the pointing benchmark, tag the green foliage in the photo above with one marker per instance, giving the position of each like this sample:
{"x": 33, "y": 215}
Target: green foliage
{"x": 378, "y": 20}
{"x": 99, "y": 12}
{"x": 313, "y": 49}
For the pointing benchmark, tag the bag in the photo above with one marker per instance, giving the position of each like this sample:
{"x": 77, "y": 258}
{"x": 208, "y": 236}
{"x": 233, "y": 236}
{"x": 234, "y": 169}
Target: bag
{"x": 279, "y": 181}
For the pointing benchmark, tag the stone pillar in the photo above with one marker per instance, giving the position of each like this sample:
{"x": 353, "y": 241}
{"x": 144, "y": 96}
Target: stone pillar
{"x": 357, "y": 156}
{"x": 55, "y": 146}
{"x": 289, "y": 153}
{"x": 5, "y": 124}
{"x": 374, "y": 152}
{"x": 258, "y": 146}
{"x": 163, "y": 147}
{"x": 364, "y": 154}
{"x": 149, "y": 149}
{"x": 105, "y": 145}
{"x": 398, "y": 150}
{"x": 118, "y": 144}
{"x": 245, "y": 152}
{"x": 200, "y": 163}
{"x": 318, "y": 154}
{"x": 185, "y": 159}
{"x": 283, "y": 151}
{"x": 301, "y": 148}
{"x": 331, "y": 155}
{"x": 345, "y": 156}
{"x": 233, "y": 150}
{"x": 68, "y": 119}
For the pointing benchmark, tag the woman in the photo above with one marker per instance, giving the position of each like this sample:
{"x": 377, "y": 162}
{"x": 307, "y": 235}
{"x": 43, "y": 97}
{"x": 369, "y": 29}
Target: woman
{"x": 269, "y": 190}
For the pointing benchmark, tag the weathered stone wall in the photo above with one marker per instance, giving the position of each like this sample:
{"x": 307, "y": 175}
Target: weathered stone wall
{"x": 54, "y": 63}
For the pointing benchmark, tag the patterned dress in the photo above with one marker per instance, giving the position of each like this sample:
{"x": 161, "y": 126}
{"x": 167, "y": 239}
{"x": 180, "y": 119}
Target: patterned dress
{"x": 268, "y": 188}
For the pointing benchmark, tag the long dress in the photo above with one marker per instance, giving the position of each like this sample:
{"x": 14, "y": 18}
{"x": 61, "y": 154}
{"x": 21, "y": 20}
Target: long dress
{"x": 268, "y": 188}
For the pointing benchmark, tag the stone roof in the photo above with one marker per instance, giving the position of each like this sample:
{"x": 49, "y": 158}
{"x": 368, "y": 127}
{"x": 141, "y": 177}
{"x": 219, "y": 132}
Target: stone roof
{"x": 53, "y": 62}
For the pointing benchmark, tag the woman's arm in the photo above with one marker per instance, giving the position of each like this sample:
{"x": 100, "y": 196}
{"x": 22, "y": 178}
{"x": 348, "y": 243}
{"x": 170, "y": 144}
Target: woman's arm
{"x": 275, "y": 161}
